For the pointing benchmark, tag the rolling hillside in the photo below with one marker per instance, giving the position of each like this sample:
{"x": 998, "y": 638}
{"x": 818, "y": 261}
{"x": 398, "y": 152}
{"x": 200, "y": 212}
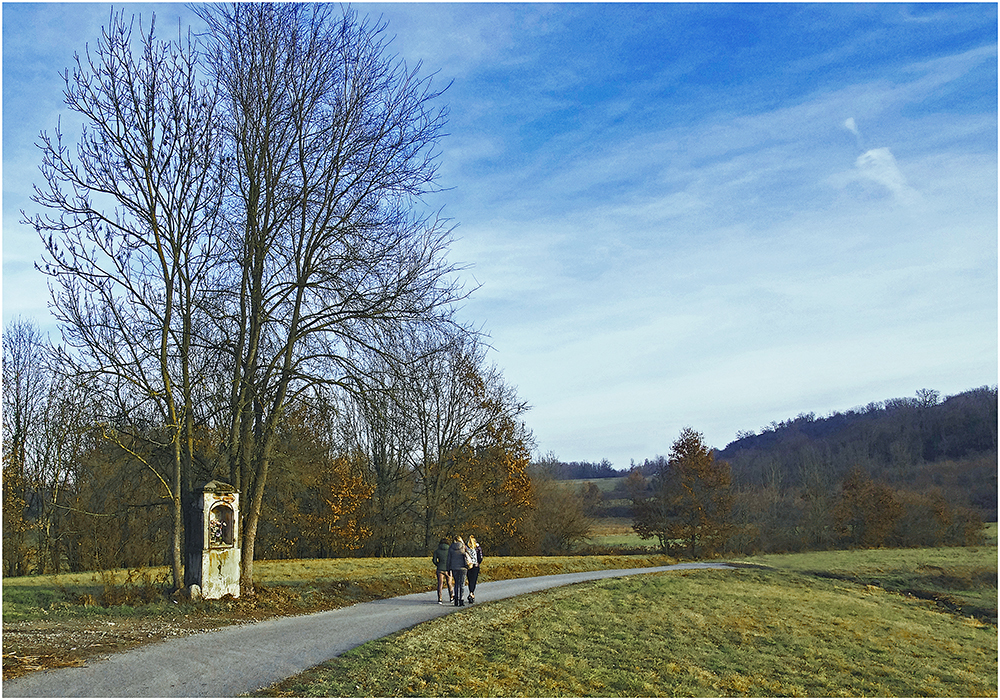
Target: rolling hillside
{"x": 919, "y": 443}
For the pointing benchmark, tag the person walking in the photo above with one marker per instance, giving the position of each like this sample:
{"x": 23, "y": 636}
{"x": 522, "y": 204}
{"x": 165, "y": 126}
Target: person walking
{"x": 476, "y": 552}
{"x": 440, "y": 559}
{"x": 457, "y": 567}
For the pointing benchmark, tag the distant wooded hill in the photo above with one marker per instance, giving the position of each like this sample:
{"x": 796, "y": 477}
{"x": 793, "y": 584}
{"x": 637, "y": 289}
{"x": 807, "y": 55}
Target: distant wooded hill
{"x": 920, "y": 444}
{"x": 917, "y": 443}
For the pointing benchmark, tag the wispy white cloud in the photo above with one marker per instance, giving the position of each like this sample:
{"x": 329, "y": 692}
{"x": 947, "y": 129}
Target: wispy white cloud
{"x": 879, "y": 166}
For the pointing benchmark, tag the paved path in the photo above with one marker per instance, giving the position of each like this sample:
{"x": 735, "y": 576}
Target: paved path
{"x": 242, "y": 658}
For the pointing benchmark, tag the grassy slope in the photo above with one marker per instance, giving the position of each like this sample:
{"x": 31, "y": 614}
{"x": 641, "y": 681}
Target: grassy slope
{"x": 749, "y": 632}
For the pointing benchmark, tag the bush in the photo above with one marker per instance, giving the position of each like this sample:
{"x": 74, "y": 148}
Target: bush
{"x": 139, "y": 587}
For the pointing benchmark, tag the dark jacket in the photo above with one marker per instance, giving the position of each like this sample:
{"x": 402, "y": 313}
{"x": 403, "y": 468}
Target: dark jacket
{"x": 456, "y": 556}
{"x": 440, "y": 557}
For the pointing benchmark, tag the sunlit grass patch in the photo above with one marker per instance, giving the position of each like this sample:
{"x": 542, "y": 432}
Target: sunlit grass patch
{"x": 698, "y": 633}
{"x": 873, "y": 561}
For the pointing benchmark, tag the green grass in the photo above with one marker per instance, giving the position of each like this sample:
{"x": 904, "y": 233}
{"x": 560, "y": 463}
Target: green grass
{"x": 816, "y": 624}
{"x": 623, "y": 541}
{"x": 285, "y": 585}
{"x": 748, "y": 632}
{"x": 964, "y": 578}
{"x": 121, "y": 593}
{"x": 617, "y": 532}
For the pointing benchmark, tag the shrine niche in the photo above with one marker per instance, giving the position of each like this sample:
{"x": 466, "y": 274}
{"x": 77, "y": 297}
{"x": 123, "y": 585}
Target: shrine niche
{"x": 221, "y": 526}
{"x": 217, "y": 565}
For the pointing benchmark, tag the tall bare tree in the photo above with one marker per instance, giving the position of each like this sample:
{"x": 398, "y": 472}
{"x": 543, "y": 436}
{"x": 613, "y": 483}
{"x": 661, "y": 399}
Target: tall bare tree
{"x": 128, "y": 233}
{"x": 332, "y": 143}
{"x": 25, "y": 386}
{"x": 374, "y": 420}
{"x": 283, "y": 277}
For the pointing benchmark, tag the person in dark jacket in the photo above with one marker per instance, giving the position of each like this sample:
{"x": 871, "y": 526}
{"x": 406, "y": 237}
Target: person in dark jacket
{"x": 440, "y": 559}
{"x": 456, "y": 565}
{"x": 477, "y": 556}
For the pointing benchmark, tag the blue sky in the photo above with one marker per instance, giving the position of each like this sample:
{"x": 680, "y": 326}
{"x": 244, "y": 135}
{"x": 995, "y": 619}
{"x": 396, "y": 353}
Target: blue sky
{"x": 705, "y": 215}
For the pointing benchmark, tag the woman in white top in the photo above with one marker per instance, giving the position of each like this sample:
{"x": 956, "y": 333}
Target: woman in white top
{"x": 477, "y": 556}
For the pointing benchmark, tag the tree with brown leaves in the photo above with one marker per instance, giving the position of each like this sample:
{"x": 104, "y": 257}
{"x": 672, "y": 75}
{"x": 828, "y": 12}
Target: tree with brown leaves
{"x": 867, "y": 511}
{"x": 690, "y": 508}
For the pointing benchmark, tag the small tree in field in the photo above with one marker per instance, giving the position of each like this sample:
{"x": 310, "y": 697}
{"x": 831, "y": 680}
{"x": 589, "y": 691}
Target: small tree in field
{"x": 560, "y": 521}
{"x": 691, "y": 503}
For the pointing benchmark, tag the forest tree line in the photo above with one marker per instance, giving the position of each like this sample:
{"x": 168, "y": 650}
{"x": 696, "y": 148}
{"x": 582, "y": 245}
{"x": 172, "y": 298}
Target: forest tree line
{"x": 921, "y": 470}
{"x": 443, "y": 450}
{"x": 557, "y": 469}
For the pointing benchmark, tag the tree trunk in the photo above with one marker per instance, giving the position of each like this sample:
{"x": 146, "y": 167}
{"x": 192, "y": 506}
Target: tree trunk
{"x": 177, "y": 520}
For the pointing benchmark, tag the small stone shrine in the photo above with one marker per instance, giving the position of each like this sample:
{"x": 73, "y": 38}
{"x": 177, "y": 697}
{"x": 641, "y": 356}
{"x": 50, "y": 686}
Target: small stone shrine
{"x": 217, "y": 569}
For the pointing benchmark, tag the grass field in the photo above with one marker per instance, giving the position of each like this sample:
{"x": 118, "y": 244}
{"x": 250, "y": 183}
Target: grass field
{"x": 963, "y": 578}
{"x": 617, "y": 532}
{"x": 750, "y": 632}
{"x": 604, "y": 485}
{"x": 893, "y": 623}
{"x": 287, "y": 585}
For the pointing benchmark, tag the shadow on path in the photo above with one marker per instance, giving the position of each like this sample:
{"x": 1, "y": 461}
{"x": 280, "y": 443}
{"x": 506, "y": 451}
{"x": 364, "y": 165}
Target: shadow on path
{"x": 243, "y": 658}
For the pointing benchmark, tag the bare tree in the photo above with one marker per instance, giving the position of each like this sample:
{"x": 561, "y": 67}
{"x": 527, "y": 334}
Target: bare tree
{"x": 332, "y": 143}
{"x": 128, "y": 236}
{"x": 46, "y": 420}
{"x": 560, "y": 520}
{"x": 445, "y": 446}
{"x": 60, "y": 437}
{"x": 462, "y": 408}
{"x": 309, "y": 259}
{"x": 25, "y": 386}
{"x": 376, "y": 422}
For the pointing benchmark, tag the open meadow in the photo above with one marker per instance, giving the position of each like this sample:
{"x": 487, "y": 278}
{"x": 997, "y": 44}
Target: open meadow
{"x": 617, "y": 533}
{"x": 796, "y": 630}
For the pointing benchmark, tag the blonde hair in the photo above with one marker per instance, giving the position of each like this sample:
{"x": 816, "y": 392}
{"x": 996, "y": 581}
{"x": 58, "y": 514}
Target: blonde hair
{"x": 472, "y": 541}
{"x": 459, "y": 540}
